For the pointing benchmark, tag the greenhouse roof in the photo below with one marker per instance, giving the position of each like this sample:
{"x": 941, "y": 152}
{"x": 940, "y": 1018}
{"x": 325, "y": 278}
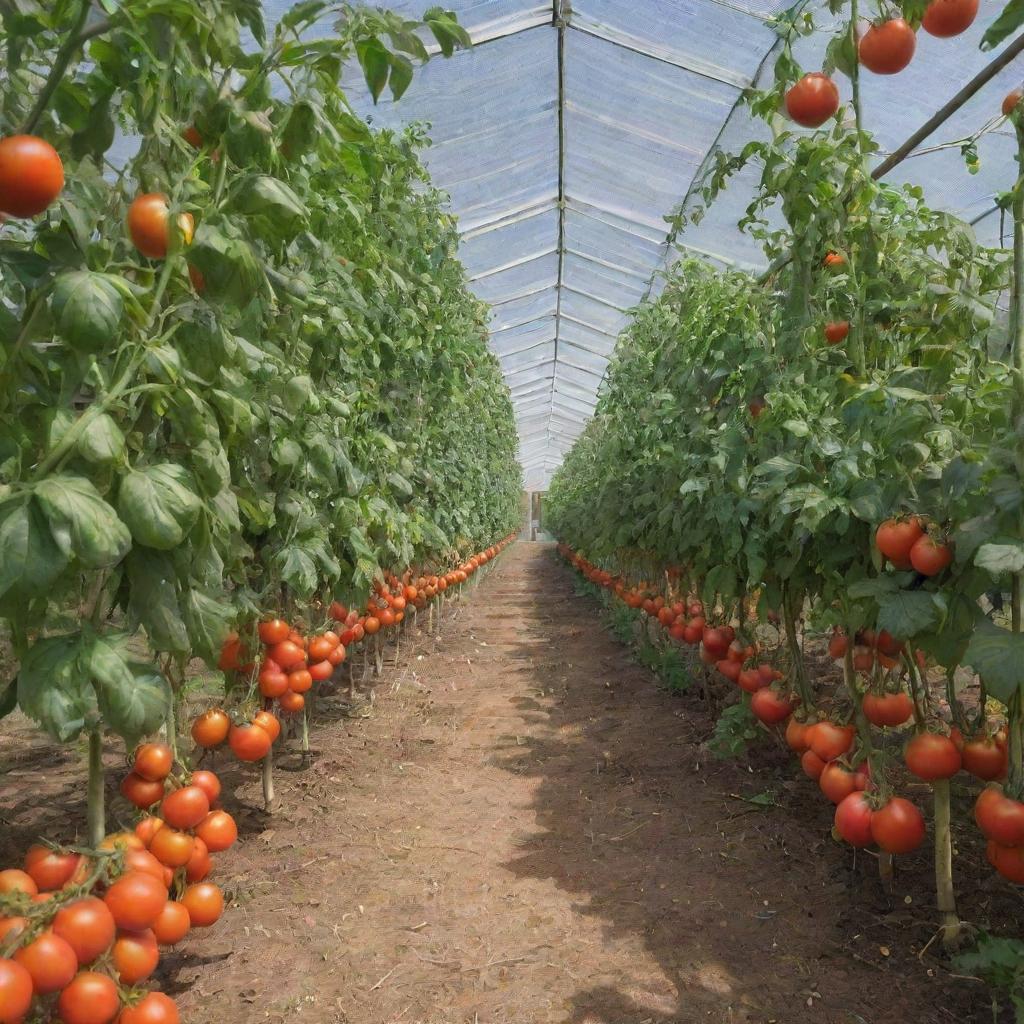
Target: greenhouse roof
{"x": 573, "y": 127}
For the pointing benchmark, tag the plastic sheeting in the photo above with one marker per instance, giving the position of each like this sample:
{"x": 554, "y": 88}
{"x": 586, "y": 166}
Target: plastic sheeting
{"x": 562, "y": 164}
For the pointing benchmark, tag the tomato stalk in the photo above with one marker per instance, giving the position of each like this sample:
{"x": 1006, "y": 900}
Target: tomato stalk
{"x": 76, "y": 39}
{"x": 917, "y": 689}
{"x": 268, "y": 770}
{"x": 305, "y": 737}
{"x": 803, "y": 684}
{"x": 945, "y": 893}
{"x": 861, "y": 722}
{"x": 96, "y": 823}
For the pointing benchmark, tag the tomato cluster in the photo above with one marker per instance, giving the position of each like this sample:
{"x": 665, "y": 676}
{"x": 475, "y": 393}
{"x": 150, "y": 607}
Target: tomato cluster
{"x": 81, "y": 930}
{"x": 885, "y": 48}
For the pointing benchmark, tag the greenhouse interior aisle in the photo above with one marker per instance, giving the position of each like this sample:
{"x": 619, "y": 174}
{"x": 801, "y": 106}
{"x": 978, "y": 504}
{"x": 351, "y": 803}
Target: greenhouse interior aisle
{"x": 519, "y": 832}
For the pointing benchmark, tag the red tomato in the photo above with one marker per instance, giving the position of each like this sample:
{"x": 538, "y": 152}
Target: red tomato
{"x": 87, "y": 926}
{"x": 300, "y": 681}
{"x": 320, "y": 670}
{"x": 50, "y": 961}
{"x": 984, "y": 758}
{"x": 141, "y": 792}
{"x": 715, "y": 641}
{"x": 31, "y": 175}
{"x": 50, "y": 869}
{"x": 172, "y": 848}
{"x": 337, "y": 655}
{"x": 249, "y": 742}
{"x": 730, "y": 669}
{"x": 929, "y": 556}
{"x": 210, "y": 729}
{"x": 135, "y": 900}
{"x": 1000, "y": 818}
{"x": 273, "y": 682}
{"x": 208, "y": 783}
{"x": 274, "y": 631}
{"x": 895, "y": 537}
{"x": 837, "y": 782}
{"x": 201, "y": 863}
{"x": 287, "y": 654}
{"x": 886, "y": 49}
{"x": 888, "y": 709}
{"x": 15, "y": 992}
{"x": 1008, "y": 861}
{"x": 898, "y": 827}
{"x": 1012, "y": 100}
{"x": 292, "y": 703}
{"x": 945, "y": 18}
{"x": 185, "y": 807}
{"x": 153, "y": 761}
{"x": 172, "y": 925}
{"x": 153, "y": 1008}
{"x": 217, "y": 830}
{"x": 796, "y": 735}
{"x": 269, "y": 723}
{"x": 204, "y": 903}
{"x": 931, "y": 756}
{"x": 90, "y": 999}
{"x": 135, "y": 956}
{"x": 828, "y": 740}
{"x": 770, "y": 706}
{"x": 813, "y": 100}
{"x": 837, "y": 331}
{"x": 853, "y": 820}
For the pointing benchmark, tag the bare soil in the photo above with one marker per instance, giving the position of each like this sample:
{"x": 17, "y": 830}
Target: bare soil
{"x": 523, "y": 828}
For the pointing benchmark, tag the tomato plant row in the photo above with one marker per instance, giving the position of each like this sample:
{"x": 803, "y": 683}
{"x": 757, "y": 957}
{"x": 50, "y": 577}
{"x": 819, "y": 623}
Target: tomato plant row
{"x": 833, "y": 449}
{"x": 241, "y": 369}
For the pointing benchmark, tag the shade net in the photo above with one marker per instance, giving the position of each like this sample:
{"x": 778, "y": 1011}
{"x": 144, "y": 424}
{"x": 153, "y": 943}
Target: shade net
{"x": 562, "y": 162}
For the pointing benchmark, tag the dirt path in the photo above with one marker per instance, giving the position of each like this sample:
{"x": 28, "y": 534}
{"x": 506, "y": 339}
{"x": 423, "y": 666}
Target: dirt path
{"x": 525, "y": 832}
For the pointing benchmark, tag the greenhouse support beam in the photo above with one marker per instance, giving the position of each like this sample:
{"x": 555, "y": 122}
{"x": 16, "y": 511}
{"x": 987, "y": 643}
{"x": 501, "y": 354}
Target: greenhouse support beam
{"x": 561, "y": 12}
{"x": 975, "y": 85}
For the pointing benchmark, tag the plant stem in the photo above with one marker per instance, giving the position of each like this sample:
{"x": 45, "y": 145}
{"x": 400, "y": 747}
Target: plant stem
{"x": 945, "y": 894}
{"x": 268, "y": 771}
{"x": 95, "y": 814}
{"x": 803, "y": 684}
{"x": 863, "y": 725}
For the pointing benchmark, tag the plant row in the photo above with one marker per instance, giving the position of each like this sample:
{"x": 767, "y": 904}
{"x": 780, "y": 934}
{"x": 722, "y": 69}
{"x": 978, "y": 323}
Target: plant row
{"x": 82, "y": 928}
{"x": 834, "y": 448}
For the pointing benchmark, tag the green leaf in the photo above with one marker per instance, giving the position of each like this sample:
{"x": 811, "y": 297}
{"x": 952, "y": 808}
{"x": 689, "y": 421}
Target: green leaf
{"x": 30, "y": 560}
{"x": 401, "y": 75}
{"x": 878, "y": 587}
{"x": 1011, "y": 19}
{"x": 159, "y": 505}
{"x": 298, "y": 570}
{"x": 997, "y": 655}
{"x": 208, "y": 620}
{"x": 300, "y": 134}
{"x": 153, "y": 599}
{"x": 273, "y": 206}
{"x": 1003, "y": 555}
{"x": 133, "y": 696}
{"x": 909, "y": 612}
{"x": 374, "y": 60}
{"x": 103, "y": 442}
{"x": 87, "y": 309}
{"x": 228, "y": 265}
{"x": 82, "y": 523}
{"x": 53, "y": 686}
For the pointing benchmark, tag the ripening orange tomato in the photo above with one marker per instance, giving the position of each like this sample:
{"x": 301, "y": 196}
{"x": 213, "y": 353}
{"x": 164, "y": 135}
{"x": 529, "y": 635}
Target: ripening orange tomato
{"x": 149, "y": 228}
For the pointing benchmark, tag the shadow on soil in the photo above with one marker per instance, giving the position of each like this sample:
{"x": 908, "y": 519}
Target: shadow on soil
{"x": 752, "y": 914}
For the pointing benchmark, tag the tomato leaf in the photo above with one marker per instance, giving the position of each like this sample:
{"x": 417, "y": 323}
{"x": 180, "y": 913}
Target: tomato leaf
{"x": 1000, "y": 556}
{"x": 158, "y": 505}
{"x": 87, "y": 309}
{"x": 133, "y": 697}
{"x": 907, "y": 613}
{"x": 208, "y": 621}
{"x": 82, "y": 523}
{"x": 401, "y": 75}
{"x": 1011, "y": 19}
{"x": 30, "y": 560}
{"x": 374, "y": 60}
{"x": 997, "y": 655}
{"x": 227, "y": 263}
{"x": 273, "y": 207}
{"x": 53, "y": 686}
{"x": 153, "y": 602}
{"x": 103, "y": 442}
